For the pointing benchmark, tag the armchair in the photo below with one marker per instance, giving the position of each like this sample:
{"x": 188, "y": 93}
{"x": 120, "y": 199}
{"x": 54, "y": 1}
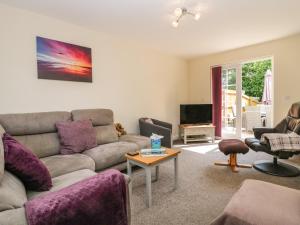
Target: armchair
{"x": 157, "y": 127}
{"x": 290, "y": 124}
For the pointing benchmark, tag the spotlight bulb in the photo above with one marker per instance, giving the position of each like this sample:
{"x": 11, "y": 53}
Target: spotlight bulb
{"x": 178, "y": 12}
{"x": 197, "y": 16}
{"x": 175, "y": 24}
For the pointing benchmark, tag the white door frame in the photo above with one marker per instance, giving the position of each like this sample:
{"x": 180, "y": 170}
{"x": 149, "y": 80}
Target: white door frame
{"x": 238, "y": 119}
{"x": 239, "y": 64}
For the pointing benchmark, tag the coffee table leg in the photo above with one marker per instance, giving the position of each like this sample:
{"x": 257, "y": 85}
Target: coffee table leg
{"x": 148, "y": 186}
{"x": 156, "y": 173}
{"x": 129, "y": 172}
{"x": 176, "y": 172}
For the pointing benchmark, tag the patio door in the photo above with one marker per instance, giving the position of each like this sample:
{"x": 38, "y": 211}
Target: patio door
{"x": 231, "y": 101}
{"x": 247, "y": 91}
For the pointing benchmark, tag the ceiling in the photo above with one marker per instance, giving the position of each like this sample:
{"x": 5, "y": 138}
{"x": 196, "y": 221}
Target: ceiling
{"x": 224, "y": 24}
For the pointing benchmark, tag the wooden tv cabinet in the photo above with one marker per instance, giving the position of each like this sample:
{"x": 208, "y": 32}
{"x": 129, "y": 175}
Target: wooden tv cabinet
{"x": 197, "y": 132}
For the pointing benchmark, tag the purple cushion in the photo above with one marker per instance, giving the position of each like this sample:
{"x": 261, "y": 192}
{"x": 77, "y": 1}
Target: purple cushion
{"x": 76, "y": 136}
{"x": 25, "y": 165}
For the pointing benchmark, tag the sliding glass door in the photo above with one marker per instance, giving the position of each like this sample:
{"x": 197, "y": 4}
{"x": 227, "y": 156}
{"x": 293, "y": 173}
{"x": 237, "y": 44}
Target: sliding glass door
{"x": 231, "y": 101}
{"x": 257, "y": 92}
{"x": 247, "y": 90}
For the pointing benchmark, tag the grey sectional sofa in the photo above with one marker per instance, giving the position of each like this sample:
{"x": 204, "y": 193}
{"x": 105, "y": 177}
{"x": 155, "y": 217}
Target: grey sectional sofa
{"x": 37, "y": 131}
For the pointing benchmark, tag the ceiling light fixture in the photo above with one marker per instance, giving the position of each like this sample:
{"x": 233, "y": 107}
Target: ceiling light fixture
{"x": 181, "y": 12}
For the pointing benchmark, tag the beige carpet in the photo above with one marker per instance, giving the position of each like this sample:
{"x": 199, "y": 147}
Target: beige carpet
{"x": 204, "y": 189}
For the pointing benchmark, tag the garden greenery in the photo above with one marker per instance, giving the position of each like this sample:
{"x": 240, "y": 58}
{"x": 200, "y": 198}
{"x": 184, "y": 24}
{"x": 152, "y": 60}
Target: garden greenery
{"x": 253, "y": 75}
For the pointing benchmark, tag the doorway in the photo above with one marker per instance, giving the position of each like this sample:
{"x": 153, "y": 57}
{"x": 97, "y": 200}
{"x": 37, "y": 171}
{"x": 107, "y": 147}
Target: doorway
{"x": 247, "y": 90}
{"x": 229, "y": 101}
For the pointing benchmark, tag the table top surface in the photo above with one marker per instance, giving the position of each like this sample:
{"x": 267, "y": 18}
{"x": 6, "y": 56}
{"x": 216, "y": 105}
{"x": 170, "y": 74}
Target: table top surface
{"x": 171, "y": 153}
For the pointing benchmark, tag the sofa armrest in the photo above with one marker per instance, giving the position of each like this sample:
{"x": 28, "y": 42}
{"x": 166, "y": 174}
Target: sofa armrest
{"x": 146, "y": 129}
{"x": 128, "y": 198}
{"x": 258, "y": 132}
{"x": 281, "y": 127}
{"x": 297, "y": 129}
{"x": 162, "y": 123}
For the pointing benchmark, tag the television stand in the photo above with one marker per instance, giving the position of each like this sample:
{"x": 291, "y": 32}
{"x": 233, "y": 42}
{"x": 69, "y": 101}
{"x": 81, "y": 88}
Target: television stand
{"x": 197, "y": 132}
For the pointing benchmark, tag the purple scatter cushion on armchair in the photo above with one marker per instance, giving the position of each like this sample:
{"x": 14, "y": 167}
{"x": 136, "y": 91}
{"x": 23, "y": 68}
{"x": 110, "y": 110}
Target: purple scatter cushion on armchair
{"x": 76, "y": 136}
{"x": 24, "y": 164}
{"x": 98, "y": 200}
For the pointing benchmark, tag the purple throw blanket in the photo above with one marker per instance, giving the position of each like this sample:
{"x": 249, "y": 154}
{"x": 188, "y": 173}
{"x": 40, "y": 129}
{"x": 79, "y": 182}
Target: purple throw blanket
{"x": 98, "y": 200}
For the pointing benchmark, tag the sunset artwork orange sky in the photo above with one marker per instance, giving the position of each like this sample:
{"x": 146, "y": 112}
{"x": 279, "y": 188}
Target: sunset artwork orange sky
{"x": 58, "y": 60}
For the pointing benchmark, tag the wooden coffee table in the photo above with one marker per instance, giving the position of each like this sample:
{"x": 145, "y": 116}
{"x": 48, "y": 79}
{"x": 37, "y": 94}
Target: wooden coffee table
{"x": 149, "y": 162}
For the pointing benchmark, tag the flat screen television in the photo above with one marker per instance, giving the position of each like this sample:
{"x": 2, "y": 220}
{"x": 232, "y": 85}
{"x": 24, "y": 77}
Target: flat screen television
{"x": 196, "y": 114}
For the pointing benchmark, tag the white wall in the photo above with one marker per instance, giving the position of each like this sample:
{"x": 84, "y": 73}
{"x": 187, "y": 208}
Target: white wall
{"x": 132, "y": 80}
{"x": 286, "y": 53}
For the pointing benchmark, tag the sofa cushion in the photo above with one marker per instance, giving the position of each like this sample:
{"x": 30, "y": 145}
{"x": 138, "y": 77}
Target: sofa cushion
{"x": 64, "y": 181}
{"x": 12, "y": 192}
{"x": 99, "y": 117}
{"x": 32, "y": 123}
{"x": 2, "y": 131}
{"x": 25, "y": 165}
{"x": 76, "y": 136}
{"x": 62, "y": 164}
{"x": 108, "y": 155}
{"x": 13, "y": 217}
{"x": 121, "y": 166}
{"x": 106, "y": 134}
{"x": 141, "y": 141}
{"x": 42, "y": 145}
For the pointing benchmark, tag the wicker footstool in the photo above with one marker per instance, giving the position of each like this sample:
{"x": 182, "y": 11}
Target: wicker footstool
{"x": 232, "y": 147}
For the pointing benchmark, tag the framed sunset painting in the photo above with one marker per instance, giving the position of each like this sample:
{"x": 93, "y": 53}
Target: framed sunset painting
{"x": 58, "y": 60}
